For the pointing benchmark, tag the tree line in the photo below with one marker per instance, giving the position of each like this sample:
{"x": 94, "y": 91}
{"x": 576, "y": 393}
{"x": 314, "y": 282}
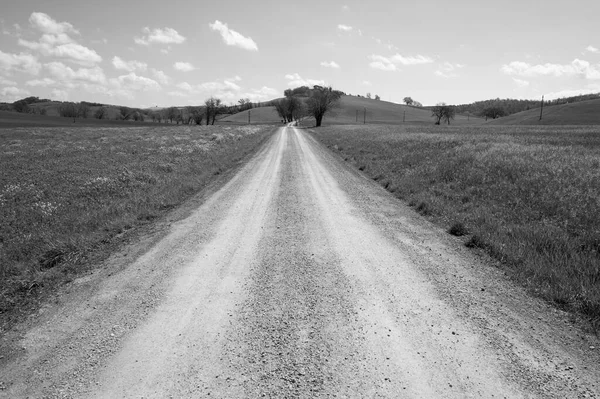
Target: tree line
{"x": 303, "y": 102}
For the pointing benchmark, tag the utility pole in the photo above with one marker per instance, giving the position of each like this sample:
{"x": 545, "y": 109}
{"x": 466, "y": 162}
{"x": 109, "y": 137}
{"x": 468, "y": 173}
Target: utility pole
{"x": 542, "y": 109}
{"x": 365, "y": 116}
{"x": 249, "y": 116}
{"x": 404, "y": 117}
{"x": 357, "y": 116}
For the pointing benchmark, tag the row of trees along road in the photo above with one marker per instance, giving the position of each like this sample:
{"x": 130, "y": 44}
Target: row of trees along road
{"x": 304, "y": 101}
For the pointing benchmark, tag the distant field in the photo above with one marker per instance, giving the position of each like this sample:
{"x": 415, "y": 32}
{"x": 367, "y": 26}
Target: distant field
{"x": 11, "y": 120}
{"x": 529, "y": 196}
{"x": 69, "y": 192}
{"x": 259, "y": 115}
{"x": 579, "y": 113}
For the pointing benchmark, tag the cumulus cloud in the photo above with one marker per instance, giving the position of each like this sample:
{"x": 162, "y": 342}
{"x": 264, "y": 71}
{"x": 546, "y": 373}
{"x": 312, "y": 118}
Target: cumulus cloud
{"x": 67, "y": 75}
{"x": 60, "y": 95}
{"x": 295, "y": 80}
{"x": 6, "y": 82}
{"x": 56, "y": 42}
{"x": 382, "y": 63}
{"x": 159, "y": 36}
{"x": 41, "y": 82}
{"x": 411, "y": 60}
{"x": 129, "y": 66}
{"x": 593, "y": 89}
{"x": 12, "y": 93}
{"x": 592, "y": 49}
{"x": 233, "y": 38}
{"x": 448, "y": 70}
{"x": 577, "y": 68}
{"x": 134, "y": 82}
{"x": 19, "y": 62}
{"x": 330, "y": 64}
{"x": 227, "y": 90}
{"x": 344, "y": 28}
{"x": 521, "y": 83}
{"x": 183, "y": 66}
{"x": 160, "y": 76}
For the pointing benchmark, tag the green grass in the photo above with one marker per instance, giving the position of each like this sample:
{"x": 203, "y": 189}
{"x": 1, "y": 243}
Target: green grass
{"x": 579, "y": 113}
{"x": 529, "y": 196}
{"x": 66, "y": 194}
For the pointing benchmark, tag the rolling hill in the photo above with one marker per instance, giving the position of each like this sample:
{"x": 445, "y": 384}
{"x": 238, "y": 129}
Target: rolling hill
{"x": 579, "y": 113}
{"x": 354, "y": 110}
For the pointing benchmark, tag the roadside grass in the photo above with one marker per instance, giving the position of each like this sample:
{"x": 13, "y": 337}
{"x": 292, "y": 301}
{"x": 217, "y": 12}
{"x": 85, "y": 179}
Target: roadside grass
{"x": 528, "y": 196}
{"x": 67, "y": 193}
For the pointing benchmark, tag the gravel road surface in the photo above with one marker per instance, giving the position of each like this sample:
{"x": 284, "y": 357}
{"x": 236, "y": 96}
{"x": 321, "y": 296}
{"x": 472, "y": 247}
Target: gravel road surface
{"x": 302, "y": 278}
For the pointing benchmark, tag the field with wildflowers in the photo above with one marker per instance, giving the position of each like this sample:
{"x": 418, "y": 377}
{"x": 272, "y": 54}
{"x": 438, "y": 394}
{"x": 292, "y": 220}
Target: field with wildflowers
{"x": 68, "y": 193}
{"x": 528, "y": 196}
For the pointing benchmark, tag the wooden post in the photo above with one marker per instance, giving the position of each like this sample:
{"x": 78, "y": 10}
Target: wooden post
{"x": 365, "y": 116}
{"x": 249, "y": 116}
{"x": 404, "y": 117}
{"x": 356, "y": 115}
{"x": 542, "y": 109}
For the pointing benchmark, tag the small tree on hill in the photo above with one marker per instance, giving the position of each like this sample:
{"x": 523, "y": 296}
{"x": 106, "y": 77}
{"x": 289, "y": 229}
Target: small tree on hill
{"x": 321, "y": 101}
{"x": 377, "y": 97}
{"x": 369, "y": 95}
{"x": 408, "y": 101}
{"x": 442, "y": 111}
{"x": 493, "y": 112}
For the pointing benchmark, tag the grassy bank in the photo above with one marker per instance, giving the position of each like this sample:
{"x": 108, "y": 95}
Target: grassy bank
{"x": 68, "y": 193}
{"x": 529, "y": 196}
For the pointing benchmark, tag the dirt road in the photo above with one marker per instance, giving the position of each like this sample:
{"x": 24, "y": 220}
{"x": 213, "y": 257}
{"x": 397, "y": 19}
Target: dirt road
{"x": 301, "y": 278}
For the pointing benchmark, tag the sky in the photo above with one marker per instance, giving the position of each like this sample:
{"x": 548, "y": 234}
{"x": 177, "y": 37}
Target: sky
{"x": 180, "y": 52}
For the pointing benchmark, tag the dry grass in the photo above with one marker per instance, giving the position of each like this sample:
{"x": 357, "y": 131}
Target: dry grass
{"x": 529, "y": 196}
{"x": 67, "y": 193}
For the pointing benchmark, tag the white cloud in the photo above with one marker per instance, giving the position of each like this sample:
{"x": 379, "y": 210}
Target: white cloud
{"x": 447, "y": 70}
{"x": 185, "y": 86}
{"x": 411, "y": 60}
{"x": 46, "y": 24}
{"x": 56, "y": 42}
{"x": 382, "y": 63}
{"x": 366, "y": 83}
{"x": 295, "y": 80}
{"x": 41, "y": 82}
{"x": 344, "y": 28}
{"x": 183, "y": 66}
{"x": 577, "y": 68}
{"x": 330, "y": 64}
{"x": 19, "y": 62}
{"x": 345, "y": 7}
{"x": 129, "y": 66}
{"x": 592, "y": 49}
{"x": 592, "y": 89}
{"x": 70, "y": 76}
{"x": 5, "y": 82}
{"x": 133, "y": 82}
{"x": 521, "y": 83}
{"x": 11, "y": 93}
{"x": 160, "y": 36}
{"x": 233, "y": 38}
{"x": 160, "y": 76}
{"x": 60, "y": 95}
{"x": 264, "y": 93}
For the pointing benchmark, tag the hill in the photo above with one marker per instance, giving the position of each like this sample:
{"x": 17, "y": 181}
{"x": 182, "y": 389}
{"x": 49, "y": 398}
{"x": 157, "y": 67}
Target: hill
{"x": 353, "y": 108}
{"x": 579, "y": 113}
{"x": 9, "y": 119}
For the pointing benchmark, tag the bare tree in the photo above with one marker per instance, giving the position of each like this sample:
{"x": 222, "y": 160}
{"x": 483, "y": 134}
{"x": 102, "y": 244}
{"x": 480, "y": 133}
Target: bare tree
{"x": 377, "y": 97}
{"x": 368, "y": 95}
{"x": 213, "y": 108}
{"x": 321, "y": 101}
{"x": 100, "y": 113}
{"x": 442, "y": 111}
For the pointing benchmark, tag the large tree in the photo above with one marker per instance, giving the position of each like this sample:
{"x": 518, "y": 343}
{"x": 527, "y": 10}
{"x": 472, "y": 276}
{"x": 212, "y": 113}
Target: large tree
{"x": 442, "y": 111}
{"x": 408, "y": 101}
{"x": 289, "y": 108}
{"x": 493, "y": 112}
{"x": 321, "y": 101}
{"x": 213, "y": 108}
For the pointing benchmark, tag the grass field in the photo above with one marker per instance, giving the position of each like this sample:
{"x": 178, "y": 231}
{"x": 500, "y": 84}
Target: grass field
{"x": 529, "y": 196}
{"x": 579, "y": 113}
{"x": 68, "y": 193}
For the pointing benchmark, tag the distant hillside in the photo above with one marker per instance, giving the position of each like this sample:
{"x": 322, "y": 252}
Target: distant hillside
{"x": 11, "y": 119}
{"x": 579, "y": 113}
{"x": 352, "y": 108}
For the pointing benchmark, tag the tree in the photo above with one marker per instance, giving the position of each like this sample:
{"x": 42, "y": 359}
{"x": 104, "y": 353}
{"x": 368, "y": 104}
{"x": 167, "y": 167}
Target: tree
{"x": 417, "y": 104}
{"x": 83, "y": 110}
{"x": 68, "y": 110}
{"x": 408, "y": 101}
{"x": 377, "y": 97}
{"x": 289, "y": 108}
{"x": 321, "y": 101}
{"x": 493, "y": 112}
{"x": 124, "y": 113}
{"x": 171, "y": 113}
{"x": 368, "y": 95}
{"x": 442, "y": 111}
{"x": 213, "y": 108}
{"x": 100, "y": 113}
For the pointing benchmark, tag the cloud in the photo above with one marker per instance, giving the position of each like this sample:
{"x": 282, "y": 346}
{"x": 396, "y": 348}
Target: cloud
{"x": 160, "y": 76}
{"x": 46, "y": 24}
{"x": 233, "y": 38}
{"x": 5, "y": 82}
{"x": 577, "y": 68}
{"x": 382, "y": 63}
{"x": 11, "y": 93}
{"x": 330, "y": 64}
{"x": 135, "y": 82}
{"x": 129, "y": 66}
{"x": 19, "y": 62}
{"x": 366, "y": 83}
{"x": 345, "y": 7}
{"x": 60, "y": 95}
{"x": 447, "y": 70}
{"x": 70, "y": 76}
{"x": 227, "y": 90}
{"x": 295, "y": 80}
{"x": 521, "y": 83}
{"x": 183, "y": 66}
{"x": 41, "y": 82}
{"x": 592, "y": 89}
{"x": 411, "y": 60}
{"x": 592, "y": 49}
{"x": 159, "y": 36}
{"x": 344, "y": 28}
{"x": 56, "y": 42}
